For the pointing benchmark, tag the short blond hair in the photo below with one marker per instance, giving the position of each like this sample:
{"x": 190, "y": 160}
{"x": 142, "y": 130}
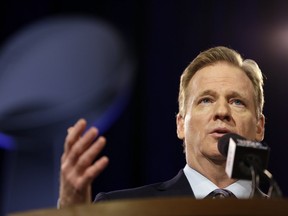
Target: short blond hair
{"x": 224, "y": 54}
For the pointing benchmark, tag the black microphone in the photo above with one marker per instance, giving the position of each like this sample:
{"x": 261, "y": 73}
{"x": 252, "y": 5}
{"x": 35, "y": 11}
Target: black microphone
{"x": 242, "y": 154}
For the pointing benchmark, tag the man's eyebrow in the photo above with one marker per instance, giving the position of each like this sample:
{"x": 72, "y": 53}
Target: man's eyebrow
{"x": 207, "y": 92}
{"x": 237, "y": 94}
{"x": 213, "y": 93}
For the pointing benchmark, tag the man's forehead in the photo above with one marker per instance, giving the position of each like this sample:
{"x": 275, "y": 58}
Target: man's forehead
{"x": 221, "y": 78}
{"x": 222, "y": 74}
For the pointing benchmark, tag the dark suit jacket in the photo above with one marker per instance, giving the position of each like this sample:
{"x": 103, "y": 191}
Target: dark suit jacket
{"x": 177, "y": 186}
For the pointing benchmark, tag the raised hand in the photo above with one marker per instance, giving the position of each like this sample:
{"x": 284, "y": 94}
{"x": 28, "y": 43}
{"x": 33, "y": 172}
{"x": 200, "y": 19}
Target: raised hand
{"x": 78, "y": 165}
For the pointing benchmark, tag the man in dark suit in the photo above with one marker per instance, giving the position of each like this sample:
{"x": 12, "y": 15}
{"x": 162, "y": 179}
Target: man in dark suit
{"x": 219, "y": 93}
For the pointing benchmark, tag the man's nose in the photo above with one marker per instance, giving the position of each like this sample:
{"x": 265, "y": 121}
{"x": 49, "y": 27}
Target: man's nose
{"x": 222, "y": 111}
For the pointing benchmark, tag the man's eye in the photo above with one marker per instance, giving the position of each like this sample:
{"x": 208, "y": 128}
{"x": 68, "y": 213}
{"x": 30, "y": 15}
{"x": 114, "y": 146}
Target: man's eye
{"x": 237, "y": 102}
{"x": 205, "y": 100}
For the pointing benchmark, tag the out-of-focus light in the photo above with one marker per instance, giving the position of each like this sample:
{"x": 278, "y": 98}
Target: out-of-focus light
{"x": 276, "y": 40}
{"x": 6, "y": 142}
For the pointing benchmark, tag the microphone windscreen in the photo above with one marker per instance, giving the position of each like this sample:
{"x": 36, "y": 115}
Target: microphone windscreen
{"x": 223, "y": 142}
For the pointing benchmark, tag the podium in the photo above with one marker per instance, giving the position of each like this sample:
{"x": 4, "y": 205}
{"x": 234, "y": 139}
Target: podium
{"x": 171, "y": 207}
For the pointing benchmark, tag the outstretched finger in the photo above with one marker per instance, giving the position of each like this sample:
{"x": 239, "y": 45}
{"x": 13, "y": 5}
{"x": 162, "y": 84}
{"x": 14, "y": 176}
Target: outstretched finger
{"x": 95, "y": 170}
{"x": 82, "y": 145}
{"x": 74, "y": 133}
{"x": 87, "y": 158}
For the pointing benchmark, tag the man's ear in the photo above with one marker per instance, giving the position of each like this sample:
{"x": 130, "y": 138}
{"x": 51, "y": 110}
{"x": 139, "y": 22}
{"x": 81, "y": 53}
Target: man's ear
{"x": 180, "y": 126}
{"x": 260, "y": 128}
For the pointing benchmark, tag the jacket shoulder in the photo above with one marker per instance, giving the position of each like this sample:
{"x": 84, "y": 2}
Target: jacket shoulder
{"x": 177, "y": 186}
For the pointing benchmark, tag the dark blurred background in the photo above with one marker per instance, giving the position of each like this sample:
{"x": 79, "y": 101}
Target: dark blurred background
{"x": 162, "y": 37}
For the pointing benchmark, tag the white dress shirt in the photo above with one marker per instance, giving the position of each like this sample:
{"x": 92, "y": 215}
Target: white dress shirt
{"x": 202, "y": 186}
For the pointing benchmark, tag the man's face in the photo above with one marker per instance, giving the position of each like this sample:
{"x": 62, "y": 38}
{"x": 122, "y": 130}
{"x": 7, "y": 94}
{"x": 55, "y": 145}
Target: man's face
{"x": 220, "y": 100}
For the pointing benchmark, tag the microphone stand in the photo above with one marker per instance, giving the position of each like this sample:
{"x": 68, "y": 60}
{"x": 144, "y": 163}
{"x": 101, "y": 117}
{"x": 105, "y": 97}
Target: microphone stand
{"x": 256, "y": 173}
{"x": 274, "y": 189}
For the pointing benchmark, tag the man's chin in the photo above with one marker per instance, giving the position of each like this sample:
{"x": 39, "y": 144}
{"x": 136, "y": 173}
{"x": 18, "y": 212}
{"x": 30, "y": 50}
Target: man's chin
{"x": 218, "y": 158}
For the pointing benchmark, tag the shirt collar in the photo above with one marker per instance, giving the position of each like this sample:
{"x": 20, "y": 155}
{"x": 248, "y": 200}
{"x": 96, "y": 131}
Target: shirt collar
{"x": 202, "y": 186}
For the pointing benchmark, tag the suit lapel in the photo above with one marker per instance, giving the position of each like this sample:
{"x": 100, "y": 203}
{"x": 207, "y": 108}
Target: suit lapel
{"x": 177, "y": 186}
